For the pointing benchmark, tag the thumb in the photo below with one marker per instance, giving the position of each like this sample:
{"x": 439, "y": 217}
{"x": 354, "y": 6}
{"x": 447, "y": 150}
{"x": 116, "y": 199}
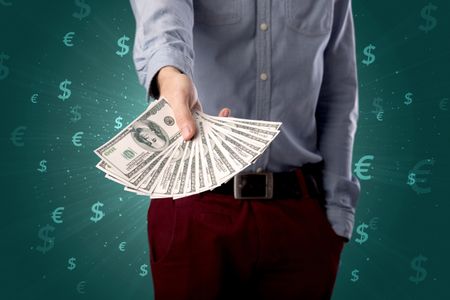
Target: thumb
{"x": 184, "y": 119}
{"x": 224, "y": 112}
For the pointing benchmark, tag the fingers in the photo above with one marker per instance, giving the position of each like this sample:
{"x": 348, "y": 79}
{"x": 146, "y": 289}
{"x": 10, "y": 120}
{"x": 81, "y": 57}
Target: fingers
{"x": 197, "y": 106}
{"x": 184, "y": 119}
{"x": 224, "y": 112}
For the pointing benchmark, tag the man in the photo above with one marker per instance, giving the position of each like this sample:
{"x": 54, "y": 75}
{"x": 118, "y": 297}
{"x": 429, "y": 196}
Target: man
{"x": 288, "y": 60}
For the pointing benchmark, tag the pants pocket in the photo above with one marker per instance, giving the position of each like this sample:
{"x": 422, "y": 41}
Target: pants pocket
{"x": 161, "y": 226}
{"x": 325, "y": 222}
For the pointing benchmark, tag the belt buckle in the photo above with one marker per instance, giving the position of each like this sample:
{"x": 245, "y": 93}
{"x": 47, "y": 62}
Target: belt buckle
{"x": 261, "y": 183}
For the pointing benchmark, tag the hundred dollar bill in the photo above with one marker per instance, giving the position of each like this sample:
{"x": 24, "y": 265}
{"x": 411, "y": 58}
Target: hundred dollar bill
{"x": 159, "y": 172}
{"x": 167, "y": 181}
{"x": 141, "y": 141}
{"x": 182, "y": 175}
{"x": 233, "y": 155}
{"x": 205, "y": 151}
{"x": 155, "y": 169}
{"x": 265, "y": 124}
{"x": 262, "y": 132}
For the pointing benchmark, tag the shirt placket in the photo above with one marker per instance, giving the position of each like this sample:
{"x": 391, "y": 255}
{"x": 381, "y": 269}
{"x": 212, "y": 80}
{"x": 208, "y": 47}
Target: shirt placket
{"x": 263, "y": 71}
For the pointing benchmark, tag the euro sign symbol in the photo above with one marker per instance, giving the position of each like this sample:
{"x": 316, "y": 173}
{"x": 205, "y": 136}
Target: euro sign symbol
{"x": 421, "y": 176}
{"x": 49, "y": 242}
{"x": 122, "y": 246}
{"x": 98, "y": 213}
{"x": 81, "y": 286}
{"x": 66, "y": 92}
{"x": 380, "y": 116}
{"x": 17, "y": 136}
{"x": 123, "y": 47}
{"x": 426, "y": 15}
{"x": 4, "y": 70}
{"x": 67, "y": 40}
{"x": 443, "y": 104}
{"x": 34, "y": 98}
{"x": 359, "y": 170}
{"x": 76, "y": 139}
{"x": 56, "y": 215}
{"x": 416, "y": 265}
{"x": 373, "y": 223}
{"x": 370, "y": 56}
{"x": 85, "y": 10}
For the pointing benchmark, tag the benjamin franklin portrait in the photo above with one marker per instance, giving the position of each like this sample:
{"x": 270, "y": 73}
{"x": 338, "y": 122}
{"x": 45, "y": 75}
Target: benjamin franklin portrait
{"x": 150, "y": 136}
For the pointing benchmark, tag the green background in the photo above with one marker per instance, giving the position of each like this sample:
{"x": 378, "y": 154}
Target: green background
{"x": 402, "y": 250}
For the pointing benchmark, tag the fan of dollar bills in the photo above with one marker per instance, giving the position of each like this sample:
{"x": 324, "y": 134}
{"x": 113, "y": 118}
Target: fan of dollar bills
{"x": 150, "y": 157}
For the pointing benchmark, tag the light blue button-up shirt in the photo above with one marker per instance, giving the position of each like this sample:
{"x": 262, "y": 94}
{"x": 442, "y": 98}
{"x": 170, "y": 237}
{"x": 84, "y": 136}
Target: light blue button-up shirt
{"x": 282, "y": 60}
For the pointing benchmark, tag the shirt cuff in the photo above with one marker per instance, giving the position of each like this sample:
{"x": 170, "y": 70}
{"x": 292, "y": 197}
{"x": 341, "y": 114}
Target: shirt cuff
{"x": 342, "y": 221}
{"x": 166, "y": 57}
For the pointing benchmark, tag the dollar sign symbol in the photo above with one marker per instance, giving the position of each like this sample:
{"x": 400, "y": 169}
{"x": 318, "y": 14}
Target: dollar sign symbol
{"x": 377, "y": 103}
{"x": 66, "y": 92}
{"x": 118, "y": 123}
{"x": 411, "y": 179}
{"x": 98, "y": 213}
{"x": 85, "y": 10}
{"x": 431, "y": 21}
{"x": 144, "y": 270}
{"x": 416, "y": 265}
{"x": 43, "y": 166}
{"x": 370, "y": 56}
{"x": 49, "y": 242}
{"x": 72, "y": 264}
{"x": 76, "y": 114}
{"x": 123, "y": 47}
{"x": 355, "y": 275}
{"x": 408, "y": 98}
{"x": 4, "y": 70}
{"x": 363, "y": 235}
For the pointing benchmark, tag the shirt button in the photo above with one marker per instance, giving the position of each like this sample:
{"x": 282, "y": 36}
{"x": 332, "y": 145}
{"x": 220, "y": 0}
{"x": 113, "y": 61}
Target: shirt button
{"x": 263, "y": 76}
{"x": 263, "y": 26}
{"x": 259, "y": 170}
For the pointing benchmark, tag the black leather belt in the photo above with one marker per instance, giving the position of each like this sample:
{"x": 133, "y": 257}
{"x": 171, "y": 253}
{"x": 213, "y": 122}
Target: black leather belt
{"x": 279, "y": 185}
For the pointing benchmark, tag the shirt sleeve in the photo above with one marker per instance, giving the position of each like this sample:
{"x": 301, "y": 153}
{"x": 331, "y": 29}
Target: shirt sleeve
{"x": 163, "y": 38}
{"x": 337, "y": 115}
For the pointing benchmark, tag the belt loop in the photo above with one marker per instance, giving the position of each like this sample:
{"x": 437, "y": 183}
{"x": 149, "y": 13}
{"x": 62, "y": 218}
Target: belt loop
{"x": 302, "y": 182}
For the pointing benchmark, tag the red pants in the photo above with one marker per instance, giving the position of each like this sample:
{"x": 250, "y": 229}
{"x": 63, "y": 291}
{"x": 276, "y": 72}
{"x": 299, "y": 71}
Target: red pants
{"x": 212, "y": 246}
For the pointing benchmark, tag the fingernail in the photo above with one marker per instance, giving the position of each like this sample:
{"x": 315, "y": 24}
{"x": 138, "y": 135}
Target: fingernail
{"x": 186, "y": 131}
